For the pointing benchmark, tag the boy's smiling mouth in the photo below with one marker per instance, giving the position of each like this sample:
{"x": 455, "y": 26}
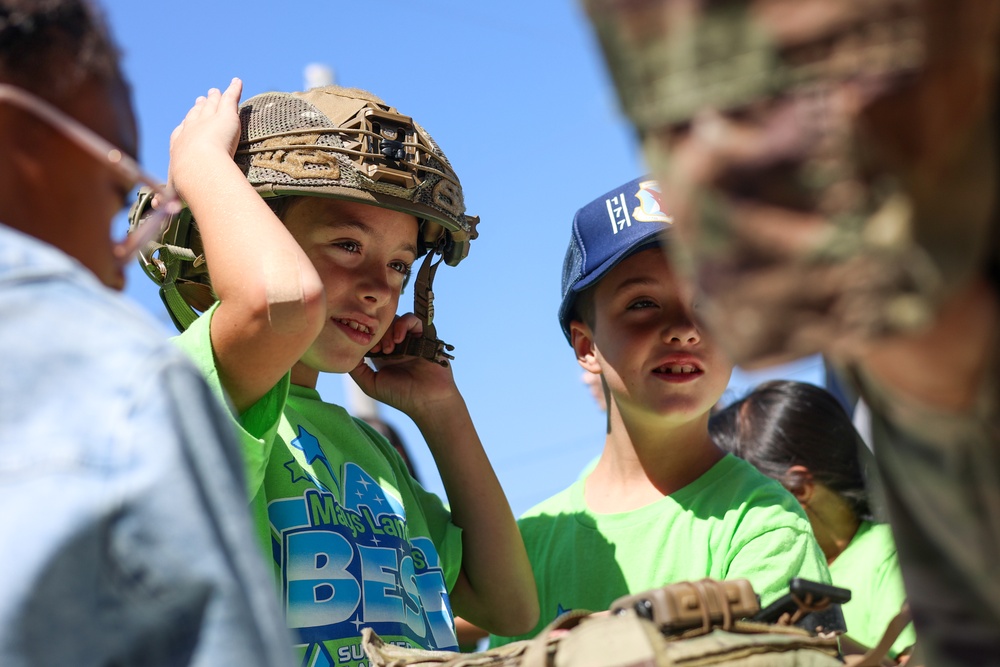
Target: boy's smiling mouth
{"x": 362, "y": 334}
{"x": 679, "y": 368}
{"x": 682, "y": 369}
{"x": 357, "y": 326}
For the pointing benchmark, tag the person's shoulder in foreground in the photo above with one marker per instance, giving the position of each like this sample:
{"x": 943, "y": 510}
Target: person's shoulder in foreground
{"x": 136, "y": 543}
{"x": 335, "y": 195}
{"x": 121, "y": 559}
{"x": 663, "y": 503}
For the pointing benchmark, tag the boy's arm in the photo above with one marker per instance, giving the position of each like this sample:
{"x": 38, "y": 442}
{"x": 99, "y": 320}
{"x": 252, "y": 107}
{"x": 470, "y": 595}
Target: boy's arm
{"x": 774, "y": 556}
{"x": 271, "y": 298}
{"x": 495, "y": 588}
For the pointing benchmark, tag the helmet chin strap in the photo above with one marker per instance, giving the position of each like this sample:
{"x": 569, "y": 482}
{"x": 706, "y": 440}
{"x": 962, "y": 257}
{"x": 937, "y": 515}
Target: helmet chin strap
{"x": 426, "y": 345}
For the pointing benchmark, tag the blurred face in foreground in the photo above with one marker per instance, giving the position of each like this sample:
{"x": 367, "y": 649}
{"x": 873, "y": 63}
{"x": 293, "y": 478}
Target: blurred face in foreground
{"x": 819, "y": 155}
{"x": 64, "y": 189}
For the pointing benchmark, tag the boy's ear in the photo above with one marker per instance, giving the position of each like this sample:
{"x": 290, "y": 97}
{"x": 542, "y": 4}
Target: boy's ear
{"x": 799, "y": 480}
{"x": 583, "y": 345}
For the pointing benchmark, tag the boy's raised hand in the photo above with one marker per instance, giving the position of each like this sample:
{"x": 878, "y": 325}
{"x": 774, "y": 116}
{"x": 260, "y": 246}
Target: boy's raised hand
{"x": 495, "y": 588}
{"x": 271, "y": 300}
{"x": 409, "y": 384}
{"x": 211, "y": 125}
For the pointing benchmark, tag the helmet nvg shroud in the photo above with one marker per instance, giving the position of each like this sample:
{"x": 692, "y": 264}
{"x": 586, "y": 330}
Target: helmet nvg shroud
{"x": 335, "y": 142}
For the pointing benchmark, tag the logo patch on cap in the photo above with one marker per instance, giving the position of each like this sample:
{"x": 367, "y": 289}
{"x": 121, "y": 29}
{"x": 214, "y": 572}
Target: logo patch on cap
{"x": 650, "y": 207}
{"x": 648, "y": 210}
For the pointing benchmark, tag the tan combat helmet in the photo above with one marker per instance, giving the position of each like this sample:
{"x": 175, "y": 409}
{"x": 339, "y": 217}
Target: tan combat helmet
{"x": 335, "y": 142}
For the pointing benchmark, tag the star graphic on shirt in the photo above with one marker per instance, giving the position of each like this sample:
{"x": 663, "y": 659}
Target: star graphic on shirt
{"x": 309, "y": 445}
{"x": 297, "y": 473}
{"x": 300, "y": 475}
{"x": 357, "y": 623}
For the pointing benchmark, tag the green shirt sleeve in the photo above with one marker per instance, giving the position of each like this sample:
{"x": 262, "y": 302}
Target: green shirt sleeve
{"x": 773, "y": 557}
{"x": 257, "y": 426}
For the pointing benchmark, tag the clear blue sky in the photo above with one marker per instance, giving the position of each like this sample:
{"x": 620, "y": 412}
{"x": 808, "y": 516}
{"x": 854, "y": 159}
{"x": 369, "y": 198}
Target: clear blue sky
{"x": 517, "y": 96}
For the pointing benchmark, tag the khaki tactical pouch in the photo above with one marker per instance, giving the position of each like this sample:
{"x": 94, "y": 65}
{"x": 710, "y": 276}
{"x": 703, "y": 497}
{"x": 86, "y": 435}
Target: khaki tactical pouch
{"x": 626, "y": 639}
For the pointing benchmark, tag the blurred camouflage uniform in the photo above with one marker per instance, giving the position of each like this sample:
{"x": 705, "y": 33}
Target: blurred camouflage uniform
{"x": 832, "y": 172}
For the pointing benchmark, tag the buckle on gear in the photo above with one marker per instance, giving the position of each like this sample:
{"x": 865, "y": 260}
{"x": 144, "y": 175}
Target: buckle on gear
{"x": 427, "y": 345}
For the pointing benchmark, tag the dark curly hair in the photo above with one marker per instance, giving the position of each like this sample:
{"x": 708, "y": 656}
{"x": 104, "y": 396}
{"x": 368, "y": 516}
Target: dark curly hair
{"x": 51, "y": 47}
{"x": 784, "y": 423}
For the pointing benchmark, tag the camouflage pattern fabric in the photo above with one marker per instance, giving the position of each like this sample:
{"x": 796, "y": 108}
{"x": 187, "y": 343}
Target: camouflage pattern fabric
{"x": 628, "y": 641}
{"x": 940, "y": 478}
{"x": 831, "y": 168}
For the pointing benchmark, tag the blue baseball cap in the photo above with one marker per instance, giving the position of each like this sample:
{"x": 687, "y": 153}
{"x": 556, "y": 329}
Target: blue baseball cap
{"x": 614, "y": 226}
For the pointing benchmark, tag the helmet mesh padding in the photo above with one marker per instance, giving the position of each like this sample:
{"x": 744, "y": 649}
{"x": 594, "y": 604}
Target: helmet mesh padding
{"x": 346, "y": 143}
{"x": 273, "y": 114}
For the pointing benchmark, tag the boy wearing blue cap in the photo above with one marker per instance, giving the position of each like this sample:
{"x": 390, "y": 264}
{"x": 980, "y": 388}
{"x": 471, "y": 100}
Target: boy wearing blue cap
{"x": 664, "y": 503}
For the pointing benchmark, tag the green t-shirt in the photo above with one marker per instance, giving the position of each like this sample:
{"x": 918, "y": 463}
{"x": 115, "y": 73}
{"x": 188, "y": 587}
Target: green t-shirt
{"x": 354, "y": 539}
{"x": 870, "y": 569}
{"x": 732, "y": 522}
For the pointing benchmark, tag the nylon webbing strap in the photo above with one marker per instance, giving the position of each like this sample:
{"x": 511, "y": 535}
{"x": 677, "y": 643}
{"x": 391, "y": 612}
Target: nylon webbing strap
{"x": 180, "y": 311}
{"x": 177, "y": 307}
{"x": 162, "y": 261}
{"x": 873, "y": 658}
{"x": 537, "y": 652}
{"x": 427, "y": 345}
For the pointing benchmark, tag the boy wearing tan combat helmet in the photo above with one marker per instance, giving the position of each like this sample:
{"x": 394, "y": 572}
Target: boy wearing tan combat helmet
{"x": 309, "y": 237}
